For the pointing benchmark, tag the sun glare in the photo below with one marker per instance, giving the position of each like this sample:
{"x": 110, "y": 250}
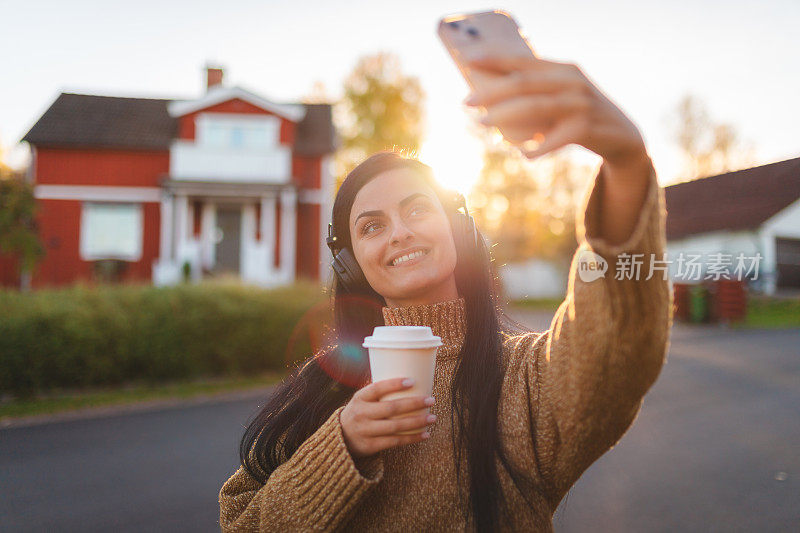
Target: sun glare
{"x": 455, "y": 156}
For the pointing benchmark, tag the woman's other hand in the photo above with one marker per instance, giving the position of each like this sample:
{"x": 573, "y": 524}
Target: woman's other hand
{"x": 554, "y": 104}
{"x": 366, "y": 424}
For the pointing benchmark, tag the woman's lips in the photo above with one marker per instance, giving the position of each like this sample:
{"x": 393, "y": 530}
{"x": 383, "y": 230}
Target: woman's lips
{"x": 412, "y": 262}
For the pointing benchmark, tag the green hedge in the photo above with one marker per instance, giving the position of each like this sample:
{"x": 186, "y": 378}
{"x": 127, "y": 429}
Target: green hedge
{"x": 107, "y": 335}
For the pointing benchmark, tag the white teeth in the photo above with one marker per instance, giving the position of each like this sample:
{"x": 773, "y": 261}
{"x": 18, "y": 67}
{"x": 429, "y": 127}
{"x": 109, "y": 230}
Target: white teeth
{"x": 407, "y": 257}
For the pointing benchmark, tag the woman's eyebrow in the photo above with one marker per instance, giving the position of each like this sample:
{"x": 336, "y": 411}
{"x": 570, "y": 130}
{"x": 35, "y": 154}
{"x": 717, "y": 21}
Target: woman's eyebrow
{"x": 402, "y": 202}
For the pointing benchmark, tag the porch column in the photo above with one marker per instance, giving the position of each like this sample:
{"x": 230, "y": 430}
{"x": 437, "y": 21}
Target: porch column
{"x": 248, "y": 264}
{"x": 189, "y": 221}
{"x": 288, "y": 234}
{"x": 165, "y": 247}
{"x": 207, "y": 234}
{"x": 268, "y": 204}
{"x": 181, "y": 226}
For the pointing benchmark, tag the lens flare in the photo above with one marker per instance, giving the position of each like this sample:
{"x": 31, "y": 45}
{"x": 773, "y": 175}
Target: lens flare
{"x": 345, "y": 362}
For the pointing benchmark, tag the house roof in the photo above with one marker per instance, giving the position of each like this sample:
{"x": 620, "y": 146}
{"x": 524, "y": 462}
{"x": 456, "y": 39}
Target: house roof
{"x": 145, "y": 124}
{"x": 105, "y": 122}
{"x": 739, "y": 200}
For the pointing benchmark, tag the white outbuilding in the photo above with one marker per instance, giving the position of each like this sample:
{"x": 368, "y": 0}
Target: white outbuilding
{"x": 745, "y": 222}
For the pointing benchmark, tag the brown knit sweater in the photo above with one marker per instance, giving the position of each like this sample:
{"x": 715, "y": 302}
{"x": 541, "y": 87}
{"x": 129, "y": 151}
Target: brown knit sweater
{"x": 569, "y": 394}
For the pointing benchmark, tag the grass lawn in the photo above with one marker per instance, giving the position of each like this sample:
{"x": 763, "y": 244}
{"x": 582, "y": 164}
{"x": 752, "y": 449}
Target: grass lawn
{"x": 765, "y": 312}
{"x": 538, "y": 304}
{"x": 762, "y": 311}
{"x": 131, "y": 394}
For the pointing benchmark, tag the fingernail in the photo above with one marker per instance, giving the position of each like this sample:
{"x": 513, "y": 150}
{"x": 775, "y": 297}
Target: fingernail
{"x": 425, "y": 435}
{"x": 430, "y": 400}
{"x": 471, "y": 100}
{"x": 431, "y": 418}
{"x": 408, "y": 382}
{"x": 485, "y": 120}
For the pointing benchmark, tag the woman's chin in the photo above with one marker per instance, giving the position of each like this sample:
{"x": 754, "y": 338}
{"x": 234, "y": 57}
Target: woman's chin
{"x": 412, "y": 282}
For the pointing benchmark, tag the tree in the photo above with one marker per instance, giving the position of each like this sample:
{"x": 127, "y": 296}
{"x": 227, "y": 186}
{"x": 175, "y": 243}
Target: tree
{"x": 381, "y": 109}
{"x": 18, "y": 230}
{"x": 707, "y": 147}
{"x": 503, "y": 201}
{"x": 527, "y": 208}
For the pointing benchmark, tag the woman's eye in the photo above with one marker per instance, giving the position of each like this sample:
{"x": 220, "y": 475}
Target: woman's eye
{"x": 420, "y": 208}
{"x": 368, "y": 227}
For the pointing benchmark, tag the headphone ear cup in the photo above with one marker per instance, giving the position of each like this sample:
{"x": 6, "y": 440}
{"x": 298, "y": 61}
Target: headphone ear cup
{"x": 347, "y": 267}
{"x": 464, "y": 230}
{"x": 340, "y": 269}
{"x": 471, "y": 231}
{"x": 464, "y": 225}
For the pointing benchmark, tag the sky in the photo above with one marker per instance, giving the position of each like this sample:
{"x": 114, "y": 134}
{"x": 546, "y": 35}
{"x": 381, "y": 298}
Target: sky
{"x": 739, "y": 57}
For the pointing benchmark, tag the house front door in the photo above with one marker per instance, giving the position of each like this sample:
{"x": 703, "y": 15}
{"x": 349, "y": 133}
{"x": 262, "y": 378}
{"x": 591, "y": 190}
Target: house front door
{"x": 228, "y": 246}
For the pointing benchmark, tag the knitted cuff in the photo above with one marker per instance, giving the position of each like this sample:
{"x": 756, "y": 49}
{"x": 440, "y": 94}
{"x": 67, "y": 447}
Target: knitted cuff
{"x": 646, "y": 223}
{"x": 325, "y": 479}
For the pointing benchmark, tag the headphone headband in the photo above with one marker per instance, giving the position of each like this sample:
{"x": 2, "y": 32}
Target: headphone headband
{"x": 330, "y": 240}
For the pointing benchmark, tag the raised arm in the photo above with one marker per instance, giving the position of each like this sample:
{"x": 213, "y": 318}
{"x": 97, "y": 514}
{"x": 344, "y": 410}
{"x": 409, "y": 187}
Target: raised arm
{"x": 316, "y": 489}
{"x": 581, "y": 383}
{"x": 587, "y": 375}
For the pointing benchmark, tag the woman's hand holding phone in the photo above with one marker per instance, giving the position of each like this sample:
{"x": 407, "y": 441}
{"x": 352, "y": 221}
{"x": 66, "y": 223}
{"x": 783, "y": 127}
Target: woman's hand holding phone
{"x": 555, "y": 104}
{"x": 531, "y": 100}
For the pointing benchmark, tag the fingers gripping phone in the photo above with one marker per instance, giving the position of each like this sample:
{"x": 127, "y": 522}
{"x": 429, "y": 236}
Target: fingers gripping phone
{"x": 473, "y": 36}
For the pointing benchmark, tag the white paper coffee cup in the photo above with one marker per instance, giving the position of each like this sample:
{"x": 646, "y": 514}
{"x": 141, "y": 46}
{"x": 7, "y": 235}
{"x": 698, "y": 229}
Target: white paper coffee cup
{"x": 407, "y": 352}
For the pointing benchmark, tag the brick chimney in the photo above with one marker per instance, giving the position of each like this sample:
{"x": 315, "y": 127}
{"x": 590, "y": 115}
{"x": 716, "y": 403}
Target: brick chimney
{"x": 213, "y": 77}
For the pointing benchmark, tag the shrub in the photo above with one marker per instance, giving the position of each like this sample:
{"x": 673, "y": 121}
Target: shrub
{"x": 109, "y": 335}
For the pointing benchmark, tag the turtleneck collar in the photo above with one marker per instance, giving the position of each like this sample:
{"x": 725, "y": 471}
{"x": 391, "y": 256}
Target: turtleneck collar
{"x": 446, "y": 319}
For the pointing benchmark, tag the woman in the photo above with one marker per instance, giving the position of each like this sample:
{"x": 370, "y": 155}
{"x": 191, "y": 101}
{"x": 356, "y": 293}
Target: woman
{"x": 518, "y": 415}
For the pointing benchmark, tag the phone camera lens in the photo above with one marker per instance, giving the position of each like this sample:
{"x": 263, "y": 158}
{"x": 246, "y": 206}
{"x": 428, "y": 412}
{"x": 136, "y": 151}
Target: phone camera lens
{"x": 472, "y": 32}
{"x": 453, "y": 24}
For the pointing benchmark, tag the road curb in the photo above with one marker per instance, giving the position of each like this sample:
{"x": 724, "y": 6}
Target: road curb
{"x": 138, "y": 407}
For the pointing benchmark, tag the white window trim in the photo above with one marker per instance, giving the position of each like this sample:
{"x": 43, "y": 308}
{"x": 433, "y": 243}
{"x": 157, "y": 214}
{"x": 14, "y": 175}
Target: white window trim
{"x": 97, "y": 193}
{"x": 86, "y": 255}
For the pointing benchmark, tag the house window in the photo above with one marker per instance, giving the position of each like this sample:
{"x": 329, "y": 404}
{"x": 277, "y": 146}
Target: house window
{"x": 215, "y": 135}
{"x": 111, "y": 231}
{"x": 241, "y": 132}
{"x": 238, "y": 139}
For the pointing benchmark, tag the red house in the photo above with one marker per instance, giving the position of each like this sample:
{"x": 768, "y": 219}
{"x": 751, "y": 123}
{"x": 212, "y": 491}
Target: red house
{"x": 230, "y": 182}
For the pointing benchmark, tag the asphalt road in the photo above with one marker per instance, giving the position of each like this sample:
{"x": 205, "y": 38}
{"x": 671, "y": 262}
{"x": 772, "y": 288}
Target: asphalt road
{"x": 715, "y": 448}
{"x": 158, "y": 470}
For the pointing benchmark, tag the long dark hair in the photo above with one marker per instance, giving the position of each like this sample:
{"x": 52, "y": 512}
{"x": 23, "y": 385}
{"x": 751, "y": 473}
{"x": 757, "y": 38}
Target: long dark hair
{"x": 328, "y": 379}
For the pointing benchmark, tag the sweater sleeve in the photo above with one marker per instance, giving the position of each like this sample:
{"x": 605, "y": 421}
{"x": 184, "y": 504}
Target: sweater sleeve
{"x": 587, "y": 375}
{"x": 316, "y": 489}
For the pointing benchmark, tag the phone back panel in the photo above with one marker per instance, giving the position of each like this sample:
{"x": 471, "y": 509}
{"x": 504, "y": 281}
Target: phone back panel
{"x": 472, "y": 36}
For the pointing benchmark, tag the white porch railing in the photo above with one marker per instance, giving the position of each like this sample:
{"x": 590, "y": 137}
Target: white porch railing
{"x": 191, "y": 161}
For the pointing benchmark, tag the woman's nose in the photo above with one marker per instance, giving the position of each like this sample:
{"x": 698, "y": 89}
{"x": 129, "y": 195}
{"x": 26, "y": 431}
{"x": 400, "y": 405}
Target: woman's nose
{"x": 400, "y": 233}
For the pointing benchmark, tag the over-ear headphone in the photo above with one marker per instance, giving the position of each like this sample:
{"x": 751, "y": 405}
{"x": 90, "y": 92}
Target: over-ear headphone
{"x": 352, "y": 277}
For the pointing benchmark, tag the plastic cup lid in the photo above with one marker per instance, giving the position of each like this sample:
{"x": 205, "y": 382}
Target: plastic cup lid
{"x": 402, "y": 337}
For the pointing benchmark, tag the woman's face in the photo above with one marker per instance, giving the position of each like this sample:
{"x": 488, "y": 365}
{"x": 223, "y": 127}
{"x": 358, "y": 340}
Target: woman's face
{"x": 396, "y": 214}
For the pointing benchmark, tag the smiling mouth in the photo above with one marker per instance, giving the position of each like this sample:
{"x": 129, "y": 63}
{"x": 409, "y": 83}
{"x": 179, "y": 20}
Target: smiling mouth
{"x": 410, "y": 259}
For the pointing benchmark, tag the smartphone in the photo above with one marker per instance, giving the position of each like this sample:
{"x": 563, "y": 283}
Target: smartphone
{"x": 472, "y": 36}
